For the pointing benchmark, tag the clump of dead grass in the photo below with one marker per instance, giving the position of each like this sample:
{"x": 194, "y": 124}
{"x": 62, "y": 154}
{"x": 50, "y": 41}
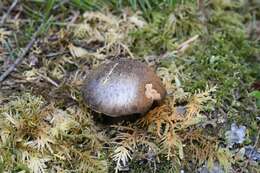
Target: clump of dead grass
{"x": 36, "y": 135}
{"x": 112, "y": 31}
{"x": 166, "y": 126}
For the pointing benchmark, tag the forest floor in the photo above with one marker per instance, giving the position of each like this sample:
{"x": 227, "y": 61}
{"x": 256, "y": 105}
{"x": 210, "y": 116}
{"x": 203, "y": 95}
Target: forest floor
{"x": 207, "y": 54}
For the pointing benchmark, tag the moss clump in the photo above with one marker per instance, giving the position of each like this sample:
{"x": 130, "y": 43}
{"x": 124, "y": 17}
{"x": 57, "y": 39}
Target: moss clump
{"x": 166, "y": 30}
{"x": 35, "y": 135}
{"x": 221, "y": 57}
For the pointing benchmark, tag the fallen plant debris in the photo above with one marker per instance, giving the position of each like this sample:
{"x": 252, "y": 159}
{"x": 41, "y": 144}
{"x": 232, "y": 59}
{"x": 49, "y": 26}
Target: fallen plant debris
{"x": 206, "y": 54}
{"x": 8, "y": 12}
{"x": 22, "y": 56}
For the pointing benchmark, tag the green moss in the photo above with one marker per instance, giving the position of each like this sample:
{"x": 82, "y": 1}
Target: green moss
{"x": 166, "y": 30}
{"x": 220, "y": 57}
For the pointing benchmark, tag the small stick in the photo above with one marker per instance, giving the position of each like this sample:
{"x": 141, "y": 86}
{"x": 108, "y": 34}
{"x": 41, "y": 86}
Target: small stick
{"x": 22, "y": 56}
{"x": 48, "y": 79}
{"x": 257, "y": 139}
{"x": 110, "y": 72}
{"x": 8, "y": 12}
{"x": 182, "y": 47}
{"x": 50, "y": 55}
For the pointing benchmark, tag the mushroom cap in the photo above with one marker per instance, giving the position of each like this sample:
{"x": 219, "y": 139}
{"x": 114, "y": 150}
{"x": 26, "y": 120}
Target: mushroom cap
{"x": 122, "y": 87}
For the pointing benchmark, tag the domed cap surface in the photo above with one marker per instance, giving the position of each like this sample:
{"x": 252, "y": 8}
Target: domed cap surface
{"x": 122, "y": 87}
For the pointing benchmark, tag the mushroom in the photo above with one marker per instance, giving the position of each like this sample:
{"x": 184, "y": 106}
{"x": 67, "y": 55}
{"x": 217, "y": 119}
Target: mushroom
{"x": 122, "y": 87}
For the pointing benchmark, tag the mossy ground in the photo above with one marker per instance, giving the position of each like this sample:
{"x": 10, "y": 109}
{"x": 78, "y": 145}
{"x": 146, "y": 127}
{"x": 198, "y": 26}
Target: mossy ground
{"x": 207, "y": 54}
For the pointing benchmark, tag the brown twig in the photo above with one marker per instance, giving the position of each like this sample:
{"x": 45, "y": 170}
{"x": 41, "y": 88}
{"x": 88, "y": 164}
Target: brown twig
{"x": 257, "y": 138}
{"x": 54, "y": 54}
{"x": 48, "y": 79}
{"x": 8, "y": 12}
{"x": 182, "y": 47}
{"x": 22, "y": 56}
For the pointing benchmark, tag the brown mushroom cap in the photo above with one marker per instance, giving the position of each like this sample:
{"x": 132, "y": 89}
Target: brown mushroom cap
{"x": 122, "y": 87}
